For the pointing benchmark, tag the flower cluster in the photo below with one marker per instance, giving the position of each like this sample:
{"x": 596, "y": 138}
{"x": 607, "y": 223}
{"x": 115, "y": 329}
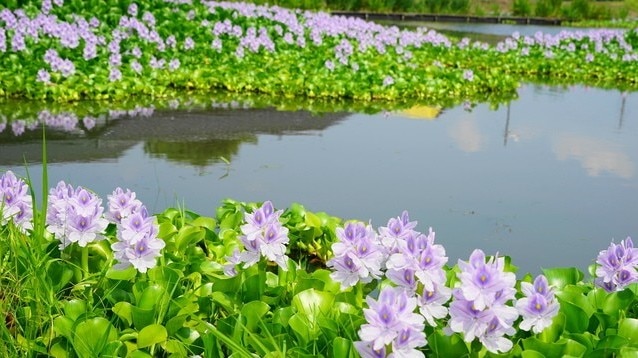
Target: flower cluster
{"x": 138, "y": 244}
{"x": 15, "y": 202}
{"x": 479, "y": 308}
{"x": 391, "y": 321}
{"x": 410, "y": 260}
{"x": 75, "y": 215}
{"x": 617, "y": 266}
{"x": 538, "y": 307}
{"x": 358, "y": 255}
{"x": 263, "y": 235}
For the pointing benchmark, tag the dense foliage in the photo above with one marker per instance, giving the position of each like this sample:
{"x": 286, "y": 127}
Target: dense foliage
{"x": 82, "y": 49}
{"x": 79, "y": 279}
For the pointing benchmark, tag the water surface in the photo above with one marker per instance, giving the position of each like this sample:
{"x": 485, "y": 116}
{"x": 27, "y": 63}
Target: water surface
{"x": 550, "y": 179}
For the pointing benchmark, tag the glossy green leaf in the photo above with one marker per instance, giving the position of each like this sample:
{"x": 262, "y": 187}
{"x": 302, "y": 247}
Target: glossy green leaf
{"x": 532, "y": 354}
{"x": 63, "y": 326}
{"x": 74, "y": 308}
{"x": 151, "y": 334}
{"x": 562, "y": 276}
{"x": 142, "y": 317}
{"x": 122, "y": 275}
{"x": 576, "y": 320}
{"x": 253, "y": 313}
{"x": 628, "y": 328}
{"x": 553, "y": 332}
{"x": 447, "y": 346}
{"x": 342, "y": 347}
{"x": 187, "y": 236}
{"x": 124, "y": 310}
{"x": 91, "y": 336}
{"x": 547, "y": 349}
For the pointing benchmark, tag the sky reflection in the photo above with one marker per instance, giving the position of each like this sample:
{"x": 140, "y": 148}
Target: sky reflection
{"x": 549, "y": 179}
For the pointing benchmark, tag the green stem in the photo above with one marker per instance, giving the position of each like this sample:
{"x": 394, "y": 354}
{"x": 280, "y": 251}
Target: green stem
{"x": 358, "y": 291}
{"x": 85, "y": 262}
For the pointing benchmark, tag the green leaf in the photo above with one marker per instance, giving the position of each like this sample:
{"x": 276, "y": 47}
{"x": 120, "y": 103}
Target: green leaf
{"x": 142, "y": 317}
{"x": 121, "y": 275}
{"x": 187, "y": 236}
{"x": 63, "y": 326}
{"x": 313, "y": 303}
{"x": 562, "y": 276}
{"x": 92, "y": 335}
{"x": 151, "y": 296}
{"x": 342, "y": 347}
{"x": 531, "y": 354}
{"x": 124, "y": 310}
{"x": 447, "y": 346}
{"x": 74, "y": 308}
{"x": 253, "y": 312}
{"x": 576, "y": 320}
{"x": 547, "y": 349}
{"x": 628, "y": 328}
{"x": 553, "y": 332}
{"x": 151, "y": 334}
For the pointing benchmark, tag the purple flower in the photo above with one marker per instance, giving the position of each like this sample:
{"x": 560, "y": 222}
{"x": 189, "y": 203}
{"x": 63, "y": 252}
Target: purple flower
{"x": 479, "y": 308}
{"x": 481, "y": 282}
{"x": 359, "y": 252}
{"x": 132, "y": 9}
{"x": 138, "y": 244}
{"x": 85, "y": 229}
{"x": 391, "y": 320}
{"x": 15, "y": 202}
{"x": 617, "y": 266}
{"x": 365, "y": 350}
{"x": 388, "y": 81}
{"x": 432, "y": 303}
{"x": 419, "y": 253}
{"x": 43, "y": 76}
{"x": 115, "y": 74}
{"x": 142, "y": 254}
{"x": 329, "y": 65}
{"x": 75, "y": 215}
{"x": 189, "y": 44}
{"x": 122, "y": 204}
{"x": 173, "y": 65}
{"x": 216, "y": 45}
{"x": 262, "y": 235}
{"x": 537, "y": 309}
{"x": 468, "y": 75}
{"x": 136, "y": 67}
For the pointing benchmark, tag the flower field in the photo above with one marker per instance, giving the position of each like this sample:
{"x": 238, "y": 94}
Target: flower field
{"x": 82, "y": 277}
{"x": 74, "y": 50}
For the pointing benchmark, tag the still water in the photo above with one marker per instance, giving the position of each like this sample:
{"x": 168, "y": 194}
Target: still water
{"x": 549, "y": 179}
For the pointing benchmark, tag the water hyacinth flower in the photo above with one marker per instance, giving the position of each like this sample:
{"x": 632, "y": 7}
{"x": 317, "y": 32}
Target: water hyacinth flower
{"x": 262, "y": 236}
{"x": 75, "y": 215}
{"x": 15, "y": 202}
{"x": 138, "y": 244}
{"x": 391, "y": 323}
{"x": 121, "y": 205}
{"x": 468, "y": 75}
{"x": 479, "y": 308}
{"x": 538, "y": 307}
{"x": 358, "y": 255}
{"x": 420, "y": 254}
{"x": 617, "y": 266}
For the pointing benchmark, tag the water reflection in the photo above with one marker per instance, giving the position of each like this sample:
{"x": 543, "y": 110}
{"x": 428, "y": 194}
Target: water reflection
{"x": 553, "y": 172}
{"x": 596, "y": 156}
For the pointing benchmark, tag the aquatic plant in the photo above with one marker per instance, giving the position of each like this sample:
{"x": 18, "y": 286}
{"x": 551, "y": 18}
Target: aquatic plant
{"x": 81, "y": 50}
{"x": 166, "y": 290}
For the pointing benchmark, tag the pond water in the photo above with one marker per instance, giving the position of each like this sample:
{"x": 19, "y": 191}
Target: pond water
{"x": 549, "y": 179}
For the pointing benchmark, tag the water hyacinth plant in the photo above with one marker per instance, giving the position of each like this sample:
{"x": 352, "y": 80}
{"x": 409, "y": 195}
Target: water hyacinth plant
{"x": 77, "y": 50}
{"x": 114, "y": 280}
